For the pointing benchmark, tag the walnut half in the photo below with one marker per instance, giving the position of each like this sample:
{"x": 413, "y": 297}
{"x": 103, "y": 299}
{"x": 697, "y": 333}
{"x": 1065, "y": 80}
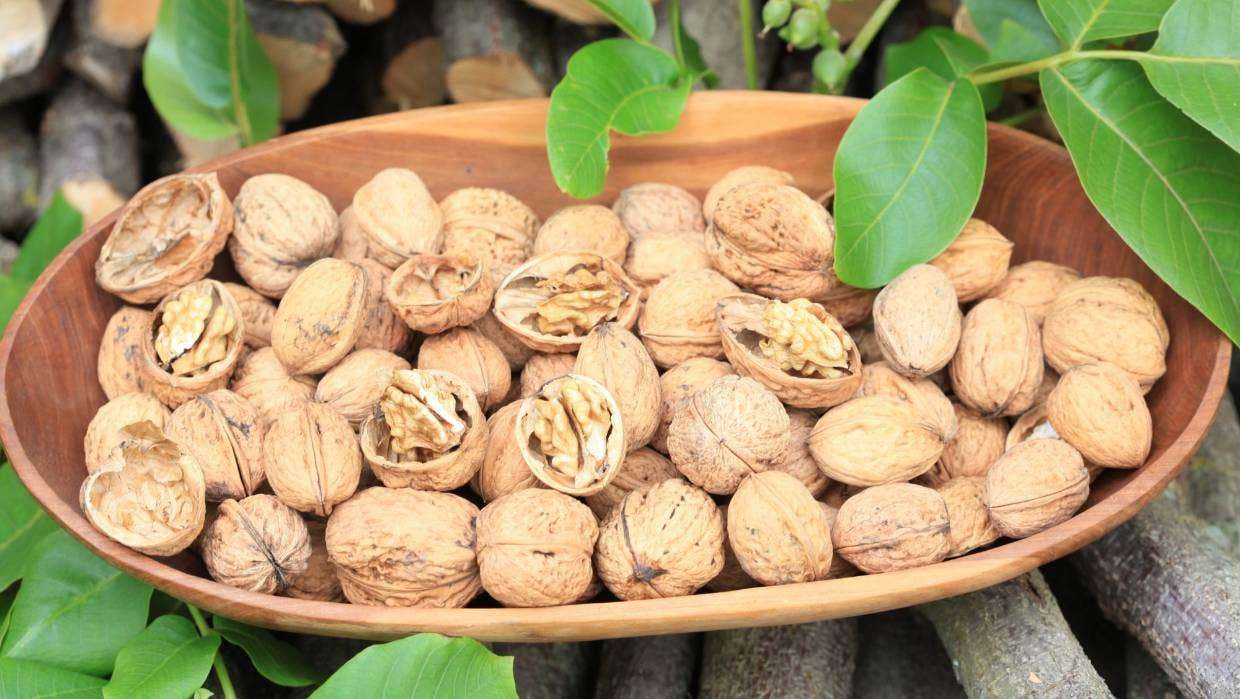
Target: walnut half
{"x": 192, "y": 343}
{"x": 571, "y": 435}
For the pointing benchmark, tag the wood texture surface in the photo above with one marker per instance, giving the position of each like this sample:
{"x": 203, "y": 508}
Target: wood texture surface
{"x": 50, "y": 391}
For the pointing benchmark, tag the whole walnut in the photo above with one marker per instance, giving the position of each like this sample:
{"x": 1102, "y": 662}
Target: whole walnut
{"x": 571, "y": 434}
{"x": 474, "y": 359}
{"x": 318, "y": 581}
{"x": 998, "y": 366}
{"x": 120, "y": 352}
{"x": 352, "y": 245}
{"x": 976, "y": 261}
{"x": 261, "y": 379}
{"x": 1049, "y": 380}
{"x": 849, "y": 304}
{"x": 515, "y": 351}
{"x": 731, "y": 576}
{"x": 382, "y": 327}
{"x": 662, "y": 541}
{"x": 355, "y": 386}
{"x": 399, "y": 217}
{"x": 867, "y": 343}
{"x": 879, "y": 379}
{"x": 968, "y": 519}
{"x": 749, "y": 174}
{"x": 614, "y": 357}
{"x": 840, "y": 567}
{"x": 1034, "y": 486}
{"x": 1099, "y": 409}
{"x": 503, "y": 469}
{"x": 774, "y": 240}
{"x": 730, "y": 429}
{"x": 167, "y": 236}
{"x": 653, "y": 207}
{"x": 405, "y": 548}
{"x": 979, "y": 442}
{"x": 1107, "y": 319}
{"x": 892, "y": 527}
{"x": 283, "y": 225}
{"x": 584, "y": 227}
{"x": 312, "y": 458}
{"x": 543, "y": 367}
{"x": 1034, "y": 285}
{"x": 798, "y": 461}
{"x": 660, "y": 254}
{"x": 106, "y": 428}
{"x": 222, "y": 431}
{"x": 641, "y": 468}
{"x": 433, "y": 293}
{"x": 680, "y": 382}
{"x": 535, "y": 548}
{"x": 321, "y": 316}
{"x": 794, "y": 546}
{"x": 678, "y": 322}
{"x": 488, "y": 225}
{"x": 873, "y": 440}
{"x": 257, "y": 311}
{"x": 192, "y": 343}
{"x": 257, "y": 544}
{"x": 917, "y": 321}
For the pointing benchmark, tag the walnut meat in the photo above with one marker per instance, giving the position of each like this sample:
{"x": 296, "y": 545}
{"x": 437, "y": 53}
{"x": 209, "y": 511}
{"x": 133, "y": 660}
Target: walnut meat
{"x": 222, "y": 431}
{"x": 998, "y": 367}
{"x": 1034, "y": 285}
{"x": 653, "y": 207}
{"x": 399, "y": 217}
{"x": 257, "y": 311}
{"x": 106, "y": 428}
{"x": 261, "y": 379}
{"x": 1034, "y": 486}
{"x": 678, "y": 322}
{"x": 167, "y": 236}
{"x": 661, "y": 541}
{"x": 616, "y": 359}
{"x": 283, "y": 225}
{"x": 874, "y": 440}
{"x": 657, "y": 255}
{"x": 318, "y": 581}
{"x": 503, "y": 469}
{"x": 257, "y": 544}
{"x": 799, "y": 462}
{"x": 979, "y": 442}
{"x": 355, "y": 386}
{"x": 879, "y": 379}
{"x": 976, "y": 261}
{"x": 321, "y": 316}
{"x": 680, "y": 382}
{"x": 641, "y": 468}
{"x": 382, "y": 327}
{"x": 1099, "y": 409}
{"x": 433, "y": 293}
{"x": 312, "y": 458}
{"x": 584, "y": 227}
{"x": 192, "y": 343}
{"x": 541, "y": 368}
{"x": 571, "y": 435}
{"x": 892, "y": 527}
{"x": 405, "y": 548}
{"x": 776, "y": 549}
{"x": 488, "y": 225}
{"x": 474, "y": 359}
{"x": 968, "y": 519}
{"x": 749, "y": 174}
{"x": 120, "y": 352}
{"x": 535, "y": 548}
{"x": 917, "y": 321}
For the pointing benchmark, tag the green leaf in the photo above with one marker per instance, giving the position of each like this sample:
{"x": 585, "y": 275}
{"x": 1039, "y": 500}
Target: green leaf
{"x": 1018, "y": 44}
{"x": 689, "y": 52}
{"x": 425, "y": 665}
{"x": 1198, "y": 64}
{"x": 6, "y": 605}
{"x": 1169, "y": 188}
{"x": 613, "y": 84}
{"x": 25, "y": 679}
{"x": 1013, "y": 30}
{"x": 169, "y": 89}
{"x": 22, "y": 526}
{"x": 74, "y": 611}
{"x": 634, "y": 17}
{"x": 945, "y": 53}
{"x": 276, "y": 660}
{"x": 1079, "y": 21}
{"x": 168, "y": 659}
{"x": 56, "y": 228}
{"x": 12, "y": 291}
{"x": 908, "y": 174}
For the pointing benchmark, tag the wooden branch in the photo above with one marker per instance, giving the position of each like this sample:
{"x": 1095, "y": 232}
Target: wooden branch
{"x": 304, "y": 43}
{"x": 815, "y": 659}
{"x": 19, "y": 173}
{"x": 45, "y": 73}
{"x": 124, "y": 24}
{"x": 1142, "y": 676}
{"x": 362, "y": 11}
{"x": 1211, "y": 483}
{"x": 575, "y": 11}
{"x": 494, "y": 49}
{"x": 900, "y": 656}
{"x": 24, "y": 28}
{"x": 412, "y": 60}
{"x": 107, "y": 67}
{"x": 650, "y": 667}
{"x": 717, "y": 28}
{"x": 550, "y": 670}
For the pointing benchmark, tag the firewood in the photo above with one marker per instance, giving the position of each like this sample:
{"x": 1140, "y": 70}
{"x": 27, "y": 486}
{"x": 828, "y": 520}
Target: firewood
{"x": 24, "y": 28}
{"x": 303, "y": 43}
{"x": 717, "y": 29}
{"x": 194, "y": 151}
{"x": 1211, "y": 482}
{"x": 19, "y": 173}
{"x": 45, "y": 73}
{"x": 900, "y": 656}
{"x": 412, "y": 60}
{"x": 362, "y": 11}
{"x": 650, "y": 667}
{"x": 575, "y": 11}
{"x": 121, "y": 23}
{"x": 494, "y": 49}
{"x": 1143, "y": 677}
{"x": 106, "y": 66}
{"x": 550, "y": 670}
{"x": 815, "y": 659}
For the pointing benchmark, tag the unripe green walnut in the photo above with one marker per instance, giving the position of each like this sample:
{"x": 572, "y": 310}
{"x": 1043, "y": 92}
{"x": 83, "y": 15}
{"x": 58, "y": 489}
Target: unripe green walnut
{"x": 803, "y": 28}
{"x": 775, "y": 13}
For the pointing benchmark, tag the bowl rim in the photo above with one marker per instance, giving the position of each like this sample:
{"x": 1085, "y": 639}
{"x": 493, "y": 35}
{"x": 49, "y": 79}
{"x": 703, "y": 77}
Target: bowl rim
{"x": 705, "y": 611}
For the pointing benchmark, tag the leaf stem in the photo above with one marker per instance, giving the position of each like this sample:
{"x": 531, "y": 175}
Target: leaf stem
{"x": 866, "y": 34}
{"x": 673, "y": 16}
{"x": 221, "y": 671}
{"x": 1058, "y": 59}
{"x": 747, "y": 44}
{"x": 239, "y": 107}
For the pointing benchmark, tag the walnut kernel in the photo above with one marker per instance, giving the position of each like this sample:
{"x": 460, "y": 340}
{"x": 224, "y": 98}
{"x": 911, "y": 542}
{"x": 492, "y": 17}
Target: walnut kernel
{"x": 571, "y": 435}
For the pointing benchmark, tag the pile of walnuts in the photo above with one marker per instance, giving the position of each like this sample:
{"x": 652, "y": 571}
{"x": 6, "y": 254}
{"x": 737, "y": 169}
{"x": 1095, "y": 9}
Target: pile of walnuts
{"x": 414, "y": 401}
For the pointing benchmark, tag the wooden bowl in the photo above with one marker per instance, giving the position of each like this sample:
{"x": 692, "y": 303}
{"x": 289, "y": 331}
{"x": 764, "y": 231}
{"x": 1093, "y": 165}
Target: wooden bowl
{"x": 47, "y": 359}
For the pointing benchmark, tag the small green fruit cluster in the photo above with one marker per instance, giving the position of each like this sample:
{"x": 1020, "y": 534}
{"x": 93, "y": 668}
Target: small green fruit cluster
{"x": 803, "y": 25}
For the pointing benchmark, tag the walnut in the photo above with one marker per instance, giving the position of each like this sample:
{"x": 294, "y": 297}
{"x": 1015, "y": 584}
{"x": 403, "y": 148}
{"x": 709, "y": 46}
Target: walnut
{"x": 849, "y": 305}
{"x": 731, "y": 428}
{"x": 167, "y": 236}
{"x": 1034, "y": 486}
{"x": 474, "y": 359}
{"x": 976, "y": 261}
{"x": 257, "y": 311}
{"x": 571, "y": 435}
{"x": 503, "y": 469}
{"x": 354, "y": 387}
{"x": 749, "y": 174}
{"x": 1034, "y": 285}
{"x": 405, "y": 548}
{"x": 535, "y": 548}
{"x": 1031, "y": 425}
{"x": 917, "y": 321}
{"x": 867, "y": 343}
{"x": 120, "y": 352}
{"x": 794, "y": 348}
{"x": 678, "y": 322}
{"x": 318, "y": 581}
{"x": 192, "y": 343}
{"x": 653, "y": 207}
{"x": 541, "y": 368}
{"x": 840, "y": 567}
{"x": 584, "y": 227}
{"x": 399, "y": 217}
{"x": 731, "y": 576}
{"x": 1049, "y": 379}
{"x": 321, "y": 316}
{"x": 799, "y": 462}
{"x": 879, "y": 379}
{"x": 874, "y": 440}
{"x": 616, "y": 359}
{"x": 979, "y": 442}
{"x": 488, "y": 225}
{"x": 552, "y": 302}
{"x": 774, "y": 240}
{"x": 641, "y": 468}
{"x": 658, "y": 255}
{"x": 1099, "y": 409}
{"x": 106, "y": 428}
{"x": 968, "y": 520}
{"x": 776, "y": 549}
{"x": 892, "y": 527}
{"x": 148, "y": 494}
{"x": 515, "y": 351}
{"x": 222, "y": 432}
{"x": 662, "y": 541}
{"x": 352, "y": 245}
{"x": 283, "y": 225}
{"x": 1106, "y": 319}
{"x": 680, "y": 382}
{"x": 998, "y": 366}
{"x": 257, "y": 544}
{"x": 382, "y": 327}
{"x": 433, "y": 293}
{"x": 261, "y": 379}
{"x": 312, "y": 459}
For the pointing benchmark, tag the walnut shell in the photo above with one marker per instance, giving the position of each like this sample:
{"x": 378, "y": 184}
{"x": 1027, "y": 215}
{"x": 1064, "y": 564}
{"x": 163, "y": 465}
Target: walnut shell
{"x": 261, "y": 379}
{"x": 192, "y": 343}
{"x": 352, "y": 245}
{"x": 382, "y": 327}
{"x": 433, "y": 293}
{"x": 968, "y": 519}
{"x": 680, "y": 382}
{"x": 257, "y": 544}
{"x": 1099, "y": 409}
{"x": 614, "y": 357}
{"x": 222, "y": 431}
{"x": 731, "y": 428}
{"x": 867, "y": 343}
{"x": 312, "y": 459}
{"x": 653, "y": 207}
{"x": 399, "y": 217}
{"x": 120, "y": 352}
{"x": 1034, "y": 486}
{"x": 799, "y": 462}
{"x": 321, "y": 316}
{"x": 318, "y": 581}
{"x": 874, "y": 440}
{"x": 1106, "y": 319}
{"x": 503, "y": 469}
{"x": 778, "y": 531}
{"x": 641, "y": 468}
{"x": 106, "y": 428}
{"x": 748, "y": 174}
{"x": 892, "y": 527}
{"x": 148, "y": 494}
{"x": 474, "y": 359}
{"x": 660, "y": 254}
{"x": 257, "y": 310}
{"x": 849, "y": 304}
{"x": 731, "y": 576}
{"x": 678, "y": 322}
{"x": 1034, "y": 285}
{"x": 535, "y": 548}
{"x": 584, "y": 227}
{"x": 976, "y": 261}
{"x": 355, "y": 386}
{"x": 1032, "y": 425}
{"x": 662, "y": 541}
{"x": 515, "y": 351}
{"x": 998, "y": 366}
{"x": 578, "y": 455}
{"x": 917, "y": 321}
{"x": 405, "y": 548}
{"x": 488, "y": 225}
{"x": 979, "y": 442}
{"x": 283, "y": 225}
{"x": 840, "y": 567}
{"x": 543, "y": 367}
{"x": 879, "y": 379}
{"x": 167, "y": 236}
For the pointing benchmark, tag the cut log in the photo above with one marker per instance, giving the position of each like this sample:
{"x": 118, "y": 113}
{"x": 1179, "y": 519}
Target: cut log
{"x": 650, "y": 667}
{"x": 494, "y": 49}
{"x": 362, "y": 11}
{"x": 24, "y": 28}
{"x": 1160, "y": 580}
{"x": 567, "y": 37}
{"x": 412, "y": 60}
{"x": 805, "y": 660}
{"x": 1011, "y": 640}
{"x": 550, "y": 670}
{"x": 303, "y": 43}
{"x": 106, "y": 66}
{"x": 1211, "y": 482}
{"x": 899, "y": 656}
{"x": 1143, "y": 677}
{"x": 19, "y": 173}
{"x": 124, "y": 24}
{"x": 717, "y": 29}
{"x": 46, "y": 72}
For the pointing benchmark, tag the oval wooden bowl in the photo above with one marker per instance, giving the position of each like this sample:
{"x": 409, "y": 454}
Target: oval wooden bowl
{"x": 50, "y": 391}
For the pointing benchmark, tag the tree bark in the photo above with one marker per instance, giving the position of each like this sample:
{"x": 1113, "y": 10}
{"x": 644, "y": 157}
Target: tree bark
{"x": 303, "y": 43}
{"x": 362, "y": 11}
{"x": 1143, "y": 677}
{"x": 124, "y": 24}
{"x": 24, "y": 28}
{"x": 45, "y": 73}
{"x": 412, "y": 60}
{"x": 717, "y": 29}
{"x": 19, "y": 173}
{"x": 1211, "y": 483}
{"x": 652, "y": 667}
{"x": 899, "y": 656}
{"x": 550, "y": 670}
{"x": 108, "y": 67}
{"x": 494, "y": 49}
{"x": 807, "y": 660}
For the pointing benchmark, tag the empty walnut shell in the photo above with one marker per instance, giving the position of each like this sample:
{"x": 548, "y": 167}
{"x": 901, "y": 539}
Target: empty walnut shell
{"x": 728, "y": 430}
{"x": 474, "y": 359}
{"x": 515, "y": 351}
{"x": 543, "y": 367}
{"x": 283, "y": 225}
{"x": 968, "y": 519}
{"x": 658, "y": 255}
{"x": 382, "y": 327}
{"x": 1032, "y": 425}
{"x": 353, "y": 245}
{"x": 167, "y": 236}
{"x": 778, "y": 531}
{"x": 614, "y": 357}
{"x": 321, "y": 316}
{"x": 678, "y": 322}
{"x": 879, "y": 379}
{"x": 318, "y": 581}
{"x": 488, "y": 225}
{"x": 1034, "y": 486}
{"x": 257, "y": 310}
{"x": 312, "y": 458}
{"x": 433, "y": 293}
{"x": 976, "y": 261}
{"x": 222, "y": 431}
{"x": 798, "y": 461}
{"x": 503, "y": 469}
{"x": 571, "y": 435}
{"x": 917, "y": 321}
{"x": 192, "y": 343}
{"x": 106, "y": 428}
{"x": 749, "y": 174}
{"x": 874, "y": 440}
{"x": 1099, "y": 409}
{"x": 680, "y": 382}
{"x": 261, "y": 379}
{"x": 584, "y": 227}
{"x": 120, "y": 352}
{"x": 148, "y": 494}
{"x": 405, "y": 548}
{"x": 652, "y": 207}
{"x": 1034, "y": 285}
{"x": 553, "y": 301}
{"x": 795, "y": 349}
{"x": 535, "y": 548}
{"x": 849, "y": 304}
{"x": 998, "y": 366}
{"x": 641, "y": 468}
{"x": 662, "y": 541}
{"x": 892, "y": 527}
{"x": 979, "y": 442}
{"x": 399, "y": 217}
{"x": 355, "y": 386}
{"x": 257, "y": 544}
